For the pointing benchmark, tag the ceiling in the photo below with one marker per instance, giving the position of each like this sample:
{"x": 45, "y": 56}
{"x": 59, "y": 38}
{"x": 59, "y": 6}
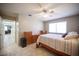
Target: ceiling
{"x": 36, "y": 9}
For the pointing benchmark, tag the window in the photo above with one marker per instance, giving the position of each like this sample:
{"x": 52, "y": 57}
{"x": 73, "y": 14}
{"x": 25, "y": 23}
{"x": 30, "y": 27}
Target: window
{"x": 59, "y": 27}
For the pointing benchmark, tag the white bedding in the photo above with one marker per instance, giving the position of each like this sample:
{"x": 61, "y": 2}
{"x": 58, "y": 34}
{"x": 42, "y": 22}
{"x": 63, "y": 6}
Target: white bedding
{"x": 70, "y": 47}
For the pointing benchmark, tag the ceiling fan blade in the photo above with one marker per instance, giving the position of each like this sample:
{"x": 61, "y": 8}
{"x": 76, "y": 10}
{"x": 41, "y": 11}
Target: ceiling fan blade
{"x": 42, "y": 8}
{"x": 45, "y": 8}
{"x": 51, "y": 11}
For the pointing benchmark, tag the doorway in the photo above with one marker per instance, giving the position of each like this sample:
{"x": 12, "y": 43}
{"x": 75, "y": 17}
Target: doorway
{"x": 8, "y": 33}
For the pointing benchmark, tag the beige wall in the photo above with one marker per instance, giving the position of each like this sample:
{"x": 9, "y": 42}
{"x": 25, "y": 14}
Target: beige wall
{"x": 0, "y": 33}
{"x": 72, "y": 23}
{"x": 29, "y": 23}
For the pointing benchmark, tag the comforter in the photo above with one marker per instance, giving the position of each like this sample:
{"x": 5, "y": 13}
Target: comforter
{"x": 70, "y": 47}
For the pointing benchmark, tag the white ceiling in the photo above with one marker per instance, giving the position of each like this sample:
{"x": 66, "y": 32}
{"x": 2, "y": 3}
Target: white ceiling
{"x": 60, "y": 9}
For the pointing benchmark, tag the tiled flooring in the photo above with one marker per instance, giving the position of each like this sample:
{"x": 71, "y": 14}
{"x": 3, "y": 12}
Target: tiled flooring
{"x": 30, "y": 50}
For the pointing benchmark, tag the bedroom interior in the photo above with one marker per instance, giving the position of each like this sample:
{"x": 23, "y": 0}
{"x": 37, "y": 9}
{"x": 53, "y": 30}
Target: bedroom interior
{"x": 40, "y": 29}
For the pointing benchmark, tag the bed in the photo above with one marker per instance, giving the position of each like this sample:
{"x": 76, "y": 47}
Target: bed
{"x": 55, "y": 43}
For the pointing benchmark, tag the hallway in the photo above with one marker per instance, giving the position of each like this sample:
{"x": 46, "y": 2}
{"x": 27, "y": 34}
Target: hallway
{"x": 8, "y": 40}
{"x": 8, "y": 33}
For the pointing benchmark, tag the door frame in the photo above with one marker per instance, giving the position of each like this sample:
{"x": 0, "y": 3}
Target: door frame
{"x": 6, "y": 20}
{"x": 1, "y": 34}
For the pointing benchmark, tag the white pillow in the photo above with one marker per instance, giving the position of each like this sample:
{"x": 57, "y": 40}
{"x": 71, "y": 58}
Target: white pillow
{"x": 69, "y": 37}
{"x": 72, "y": 35}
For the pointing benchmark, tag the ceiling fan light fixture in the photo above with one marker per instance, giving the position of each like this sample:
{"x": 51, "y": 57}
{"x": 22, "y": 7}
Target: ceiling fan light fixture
{"x": 46, "y": 15}
{"x": 51, "y": 11}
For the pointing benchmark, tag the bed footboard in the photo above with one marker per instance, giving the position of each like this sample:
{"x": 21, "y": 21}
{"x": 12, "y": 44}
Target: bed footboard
{"x": 37, "y": 45}
{"x": 51, "y": 49}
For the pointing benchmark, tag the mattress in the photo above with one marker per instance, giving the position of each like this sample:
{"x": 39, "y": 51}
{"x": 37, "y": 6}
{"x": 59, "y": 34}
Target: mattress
{"x": 70, "y": 47}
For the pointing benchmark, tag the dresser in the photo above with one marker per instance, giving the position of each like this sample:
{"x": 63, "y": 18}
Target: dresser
{"x": 32, "y": 38}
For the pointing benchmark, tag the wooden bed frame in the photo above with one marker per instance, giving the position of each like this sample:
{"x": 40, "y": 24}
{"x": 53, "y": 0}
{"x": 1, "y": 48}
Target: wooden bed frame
{"x": 59, "y": 53}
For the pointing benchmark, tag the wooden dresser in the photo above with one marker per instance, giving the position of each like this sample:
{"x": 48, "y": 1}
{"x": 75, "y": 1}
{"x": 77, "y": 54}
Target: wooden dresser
{"x": 31, "y": 38}
{"x": 28, "y": 36}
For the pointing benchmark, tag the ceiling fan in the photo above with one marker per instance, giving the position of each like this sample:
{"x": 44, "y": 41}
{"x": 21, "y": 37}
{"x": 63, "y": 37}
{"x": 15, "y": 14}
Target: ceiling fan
{"x": 44, "y": 9}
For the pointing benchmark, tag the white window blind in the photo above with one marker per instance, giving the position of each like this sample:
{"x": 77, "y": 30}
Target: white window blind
{"x": 59, "y": 27}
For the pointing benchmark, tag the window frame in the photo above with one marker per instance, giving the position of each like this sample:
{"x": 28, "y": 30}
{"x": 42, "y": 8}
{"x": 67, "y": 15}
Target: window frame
{"x": 56, "y": 27}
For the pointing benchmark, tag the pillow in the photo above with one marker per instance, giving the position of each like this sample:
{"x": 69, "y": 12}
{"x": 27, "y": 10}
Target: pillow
{"x": 64, "y": 35}
{"x": 72, "y": 33}
{"x": 69, "y": 37}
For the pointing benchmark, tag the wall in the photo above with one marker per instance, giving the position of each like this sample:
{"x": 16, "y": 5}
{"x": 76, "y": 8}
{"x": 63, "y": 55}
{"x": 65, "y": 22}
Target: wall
{"x": 8, "y": 15}
{"x": 29, "y": 23}
{"x": 0, "y": 33}
{"x": 72, "y": 23}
